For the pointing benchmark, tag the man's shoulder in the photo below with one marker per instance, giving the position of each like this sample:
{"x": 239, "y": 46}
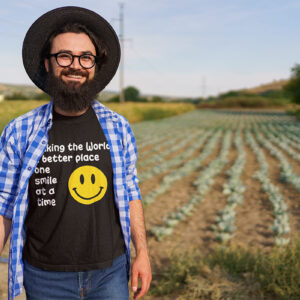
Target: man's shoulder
{"x": 106, "y": 112}
{"x": 27, "y": 120}
{"x": 32, "y": 115}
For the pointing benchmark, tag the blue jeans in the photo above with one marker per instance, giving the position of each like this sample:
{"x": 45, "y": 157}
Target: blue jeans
{"x": 108, "y": 283}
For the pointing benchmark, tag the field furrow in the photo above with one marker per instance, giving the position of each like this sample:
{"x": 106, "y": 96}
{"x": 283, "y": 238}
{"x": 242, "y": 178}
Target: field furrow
{"x": 254, "y": 215}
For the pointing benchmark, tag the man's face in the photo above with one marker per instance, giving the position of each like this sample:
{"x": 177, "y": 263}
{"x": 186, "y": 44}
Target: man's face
{"x": 73, "y": 88}
{"x": 76, "y": 44}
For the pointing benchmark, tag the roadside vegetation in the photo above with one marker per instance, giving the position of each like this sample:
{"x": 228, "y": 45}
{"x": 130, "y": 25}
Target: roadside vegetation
{"x": 231, "y": 273}
{"x": 246, "y": 99}
{"x": 134, "y": 112}
{"x": 293, "y": 89}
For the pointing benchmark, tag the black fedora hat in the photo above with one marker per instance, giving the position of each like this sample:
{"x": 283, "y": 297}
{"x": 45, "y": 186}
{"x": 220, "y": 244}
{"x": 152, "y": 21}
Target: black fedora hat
{"x": 40, "y": 31}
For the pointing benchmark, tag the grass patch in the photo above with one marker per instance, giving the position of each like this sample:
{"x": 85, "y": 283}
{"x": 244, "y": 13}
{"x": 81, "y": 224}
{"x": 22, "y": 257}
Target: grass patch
{"x": 295, "y": 112}
{"x": 138, "y": 112}
{"x": 153, "y": 113}
{"x": 232, "y": 273}
{"x": 11, "y": 109}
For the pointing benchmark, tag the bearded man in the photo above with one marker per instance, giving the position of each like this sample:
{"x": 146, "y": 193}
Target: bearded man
{"x": 68, "y": 182}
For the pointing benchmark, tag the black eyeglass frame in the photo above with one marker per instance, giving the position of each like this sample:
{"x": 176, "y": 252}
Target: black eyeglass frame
{"x": 79, "y": 57}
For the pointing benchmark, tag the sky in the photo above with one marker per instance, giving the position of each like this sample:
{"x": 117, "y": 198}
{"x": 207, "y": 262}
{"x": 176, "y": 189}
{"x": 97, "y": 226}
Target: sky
{"x": 179, "y": 48}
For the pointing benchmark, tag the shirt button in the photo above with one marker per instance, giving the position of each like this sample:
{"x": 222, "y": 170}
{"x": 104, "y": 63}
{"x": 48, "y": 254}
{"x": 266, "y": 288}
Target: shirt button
{"x": 44, "y": 142}
{"x": 29, "y": 168}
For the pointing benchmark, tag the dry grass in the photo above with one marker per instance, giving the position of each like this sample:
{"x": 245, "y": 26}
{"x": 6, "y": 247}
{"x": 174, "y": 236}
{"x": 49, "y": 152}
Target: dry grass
{"x": 134, "y": 112}
{"x": 137, "y": 112}
{"x": 274, "y": 85}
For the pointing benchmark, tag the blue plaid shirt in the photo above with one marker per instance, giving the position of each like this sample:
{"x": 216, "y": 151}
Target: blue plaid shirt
{"x": 22, "y": 144}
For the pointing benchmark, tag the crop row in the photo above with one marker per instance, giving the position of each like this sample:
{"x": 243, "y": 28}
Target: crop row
{"x": 280, "y": 225}
{"x": 169, "y": 164}
{"x": 287, "y": 173}
{"x": 202, "y": 185}
{"x": 189, "y": 167}
{"x": 234, "y": 188}
{"x": 171, "y": 146}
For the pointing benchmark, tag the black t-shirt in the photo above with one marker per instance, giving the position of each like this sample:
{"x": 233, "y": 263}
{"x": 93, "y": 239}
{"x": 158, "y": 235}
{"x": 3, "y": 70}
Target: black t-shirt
{"x": 72, "y": 222}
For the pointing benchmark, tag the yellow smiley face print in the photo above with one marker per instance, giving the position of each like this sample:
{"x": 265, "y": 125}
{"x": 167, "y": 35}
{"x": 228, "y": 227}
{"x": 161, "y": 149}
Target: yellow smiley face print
{"x": 87, "y": 184}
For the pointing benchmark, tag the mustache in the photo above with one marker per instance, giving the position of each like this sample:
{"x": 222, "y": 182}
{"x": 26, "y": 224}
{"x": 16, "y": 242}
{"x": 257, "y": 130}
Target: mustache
{"x": 74, "y": 72}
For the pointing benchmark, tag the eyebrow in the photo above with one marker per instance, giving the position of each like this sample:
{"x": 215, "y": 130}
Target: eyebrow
{"x": 82, "y": 52}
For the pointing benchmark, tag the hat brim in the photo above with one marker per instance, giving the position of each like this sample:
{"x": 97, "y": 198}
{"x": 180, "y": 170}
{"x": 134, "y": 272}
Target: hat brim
{"x": 40, "y": 31}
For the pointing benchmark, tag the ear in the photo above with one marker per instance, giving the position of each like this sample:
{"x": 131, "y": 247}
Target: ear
{"x": 46, "y": 63}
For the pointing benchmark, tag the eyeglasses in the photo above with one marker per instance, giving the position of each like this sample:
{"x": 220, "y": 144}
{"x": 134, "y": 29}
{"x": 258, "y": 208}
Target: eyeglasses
{"x": 65, "y": 59}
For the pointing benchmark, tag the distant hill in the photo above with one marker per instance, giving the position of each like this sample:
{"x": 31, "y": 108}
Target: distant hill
{"x": 8, "y": 89}
{"x": 275, "y": 85}
{"x": 31, "y": 90}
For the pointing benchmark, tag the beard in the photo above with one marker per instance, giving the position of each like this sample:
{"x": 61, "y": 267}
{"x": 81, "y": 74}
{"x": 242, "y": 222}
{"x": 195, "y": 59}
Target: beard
{"x": 71, "y": 96}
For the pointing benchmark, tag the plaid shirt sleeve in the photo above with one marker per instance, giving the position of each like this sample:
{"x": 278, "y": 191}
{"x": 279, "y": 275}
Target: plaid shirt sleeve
{"x": 9, "y": 171}
{"x": 130, "y": 162}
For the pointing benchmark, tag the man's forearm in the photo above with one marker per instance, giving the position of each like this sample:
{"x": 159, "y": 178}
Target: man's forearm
{"x": 141, "y": 266}
{"x": 5, "y": 225}
{"x": 137, "y": 224}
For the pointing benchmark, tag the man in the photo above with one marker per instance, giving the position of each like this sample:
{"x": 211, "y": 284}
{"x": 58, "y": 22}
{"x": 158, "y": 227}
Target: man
{"x": 68, "y": 186}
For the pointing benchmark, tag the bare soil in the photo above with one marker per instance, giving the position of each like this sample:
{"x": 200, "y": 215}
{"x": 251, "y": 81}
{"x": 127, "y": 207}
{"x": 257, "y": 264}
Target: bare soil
{"x": 254, "y": 215}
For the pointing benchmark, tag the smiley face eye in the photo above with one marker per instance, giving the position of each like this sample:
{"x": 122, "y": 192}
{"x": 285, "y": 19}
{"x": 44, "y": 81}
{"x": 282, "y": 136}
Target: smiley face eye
{"x": 93, "y": 178}
{"x": 81, "y": 179}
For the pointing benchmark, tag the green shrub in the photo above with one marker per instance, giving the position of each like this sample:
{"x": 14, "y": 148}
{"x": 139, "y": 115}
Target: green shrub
{"x": 114, "y": 99}
{"x": 153, "y": 113}
{"x": 16, "y": 96}
{"x": 156, "y": 99}
{"x": 275, "y": 94}
{"x": 231, "y": 94}
{"x": 131, "y": 94}
{"x": 293, "y": 86}
{"x": 41, "y": 96}
{"x": 253, "y": 101}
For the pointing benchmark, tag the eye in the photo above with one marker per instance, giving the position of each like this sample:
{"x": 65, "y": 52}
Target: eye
{"x": 64, "y": 56}
{"x": 93, "y": 178}
{"x": 86, "y": 57}
{"x": 81, "y": 179}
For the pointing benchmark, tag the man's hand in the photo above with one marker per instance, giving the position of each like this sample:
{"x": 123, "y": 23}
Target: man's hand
{"x": 141, "y": 269}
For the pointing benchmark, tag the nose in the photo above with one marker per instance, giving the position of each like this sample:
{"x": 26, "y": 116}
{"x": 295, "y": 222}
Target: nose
{"x": 75, "y": 64}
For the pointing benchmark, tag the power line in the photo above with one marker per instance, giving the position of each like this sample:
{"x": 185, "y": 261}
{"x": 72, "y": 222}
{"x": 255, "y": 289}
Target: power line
{"x": 153, "y": 67}
{"x": 122, "y": 39}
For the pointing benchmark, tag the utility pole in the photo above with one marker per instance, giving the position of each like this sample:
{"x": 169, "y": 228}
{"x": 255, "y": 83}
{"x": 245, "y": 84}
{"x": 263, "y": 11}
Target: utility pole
{"x": 121, "y": 37}
{"x": 203, "y": 87}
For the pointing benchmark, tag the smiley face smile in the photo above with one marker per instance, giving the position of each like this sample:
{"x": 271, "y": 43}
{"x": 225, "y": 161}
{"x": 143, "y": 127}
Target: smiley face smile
{"x": 74, "y": 189}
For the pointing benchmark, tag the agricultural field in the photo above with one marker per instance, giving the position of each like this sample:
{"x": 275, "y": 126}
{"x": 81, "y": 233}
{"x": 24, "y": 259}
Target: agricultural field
{"x": 236, "y": 172}
{"x": 212, "y": 179}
